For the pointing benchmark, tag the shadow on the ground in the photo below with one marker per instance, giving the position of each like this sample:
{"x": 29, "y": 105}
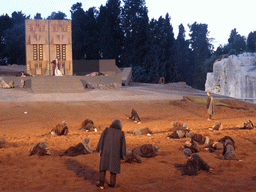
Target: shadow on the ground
{"x": 83, "y": 171}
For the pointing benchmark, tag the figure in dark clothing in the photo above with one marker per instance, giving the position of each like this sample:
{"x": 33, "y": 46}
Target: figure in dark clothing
{"x": 134, "y": 116}
{"x": 88, "y": 125}
{"x": 224, "y": 139}
{"x": 177, "y": 134}
{"x": 209, "y": 105}
{"x": 194, "y": 164}
{"x": 40, "y": 149}
{"x": 180, "y": 130}
{"x": 146, "y": 150}
{"x": 193, "y": 146}
{"x": 143, "y": 131}
{"x": 131, "y": 157}
{"x": 59, "y": 129}
{"x": 229, "y": 151}
{"x": 246, "y": 125}
{"x": 214, "y": 146}
{"x": 80, "y": 149}
{"x": 200, "y": 139}
{"x": 112, "y": 146}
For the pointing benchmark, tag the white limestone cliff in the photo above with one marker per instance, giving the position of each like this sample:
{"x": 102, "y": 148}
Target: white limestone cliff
{"x": 234, "y": 76}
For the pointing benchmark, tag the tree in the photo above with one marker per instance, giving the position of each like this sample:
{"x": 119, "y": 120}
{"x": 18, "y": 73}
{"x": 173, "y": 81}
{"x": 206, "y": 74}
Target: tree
{"x": 110, "y": 32}
{"x": 15, "y": 40}
{"x": 134, "y": 21}
{"x": 201, "y": 50}
{"x": 158, "y": 61}
{"x": 57, "y": 16}
{"x": 78, "y": 27}
{"x": 182, "y": 65}
{"x": 236, "y": 43}
{"x": 6, "y": 23}
{"x": 38, "y": 16}
{"x": 85, "y": 33}
{"x": 251, "y": 42}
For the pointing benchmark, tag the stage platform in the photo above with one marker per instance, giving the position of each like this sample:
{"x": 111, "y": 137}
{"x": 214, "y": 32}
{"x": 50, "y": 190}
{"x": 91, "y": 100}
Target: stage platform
{"x": 63, "y": 84}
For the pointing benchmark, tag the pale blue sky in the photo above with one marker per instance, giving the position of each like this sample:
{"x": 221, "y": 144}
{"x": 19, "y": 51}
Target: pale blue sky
{"x": 221, "y": 15}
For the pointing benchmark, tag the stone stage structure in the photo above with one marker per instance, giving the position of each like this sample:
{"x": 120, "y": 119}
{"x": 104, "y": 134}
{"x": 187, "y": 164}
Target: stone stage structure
{"x": 113, "y": 77}
{"x": 50, "y": 39}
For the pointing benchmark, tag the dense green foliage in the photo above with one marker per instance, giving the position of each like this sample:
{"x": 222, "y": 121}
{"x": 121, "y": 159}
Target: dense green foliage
{"x": 121, "y": 30}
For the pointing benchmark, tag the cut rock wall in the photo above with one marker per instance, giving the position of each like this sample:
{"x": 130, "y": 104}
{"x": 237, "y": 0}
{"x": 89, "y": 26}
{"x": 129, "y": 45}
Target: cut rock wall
{"x": 234, "y": 76}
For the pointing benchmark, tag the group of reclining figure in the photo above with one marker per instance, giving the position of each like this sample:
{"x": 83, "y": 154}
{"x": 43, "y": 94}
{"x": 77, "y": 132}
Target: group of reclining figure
{"x": 10, "y": 85}
{"x": 195, "y": 162}
{"x": 190, "y": 148}
{"x": 147, "y": 150}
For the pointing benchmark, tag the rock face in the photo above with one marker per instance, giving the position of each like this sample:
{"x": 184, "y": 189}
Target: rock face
{"x": 234, "y": 76}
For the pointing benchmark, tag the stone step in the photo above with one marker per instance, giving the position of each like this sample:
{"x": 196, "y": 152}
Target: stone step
{"x": 56, "y": 85}
{"x": 126, "y": 75}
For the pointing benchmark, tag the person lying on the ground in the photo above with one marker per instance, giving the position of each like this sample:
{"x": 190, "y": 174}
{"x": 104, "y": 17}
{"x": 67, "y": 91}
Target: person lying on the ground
{"x": 180, "y": 130}
{"x": 80, "y": 149}
{"x": 131, "y": 157}
{"x": 199, "y": 138}
{"x": 39, "y": 149}
{"x": 59, "y": 129}
{"x": 143, "y": 131}
{"x": 219, "y": 145}
{"x": 2, "y": 142}
{"x": 229, "y": 151}
{"x": 95, "y": 74}
{"x": 216, "y": 127}
{"x": 178, "y": 126}
{"x": 246, "y": 125}
{"x": 88, "y": 125}
{"x": 194, "y": 164}
{"x": 177, "y": 134}
{"x": 214, "y": 146}
{"x": 4, "y": 85}
{"x": 146, "y": 150}
{"x": 192, "y": 145}
{"x": 134, "y": 116}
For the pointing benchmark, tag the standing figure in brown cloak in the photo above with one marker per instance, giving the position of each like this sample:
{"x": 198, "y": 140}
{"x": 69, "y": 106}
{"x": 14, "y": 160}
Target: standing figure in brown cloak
{"x": 134, "y": 116}
{"x": 112, "y": 147}
{"x": 194, "y": 164}
{"x": 146, "y": 150}
{"x": 209, "y": 105}
{"x": 79, "y": 149}
{"x": 40, "y": 149}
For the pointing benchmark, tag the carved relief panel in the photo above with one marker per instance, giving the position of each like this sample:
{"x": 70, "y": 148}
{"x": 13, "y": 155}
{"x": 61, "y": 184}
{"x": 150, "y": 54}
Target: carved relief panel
{"x": 47, "y": 40}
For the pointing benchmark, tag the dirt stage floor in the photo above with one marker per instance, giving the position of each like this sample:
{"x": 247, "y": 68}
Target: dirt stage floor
{"x": 21, "y": 172}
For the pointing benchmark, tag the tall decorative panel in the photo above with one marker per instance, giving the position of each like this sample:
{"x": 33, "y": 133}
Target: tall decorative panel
{"x": 45, "y": 41}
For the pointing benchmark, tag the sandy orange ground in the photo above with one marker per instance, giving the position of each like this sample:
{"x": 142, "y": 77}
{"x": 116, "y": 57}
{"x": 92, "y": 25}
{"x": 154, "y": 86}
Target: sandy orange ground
{"x": 21, "y": 172}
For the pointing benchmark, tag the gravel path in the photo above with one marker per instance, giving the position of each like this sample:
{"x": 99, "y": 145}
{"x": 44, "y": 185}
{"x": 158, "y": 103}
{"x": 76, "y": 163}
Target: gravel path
{"x": 138, "y": 92}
